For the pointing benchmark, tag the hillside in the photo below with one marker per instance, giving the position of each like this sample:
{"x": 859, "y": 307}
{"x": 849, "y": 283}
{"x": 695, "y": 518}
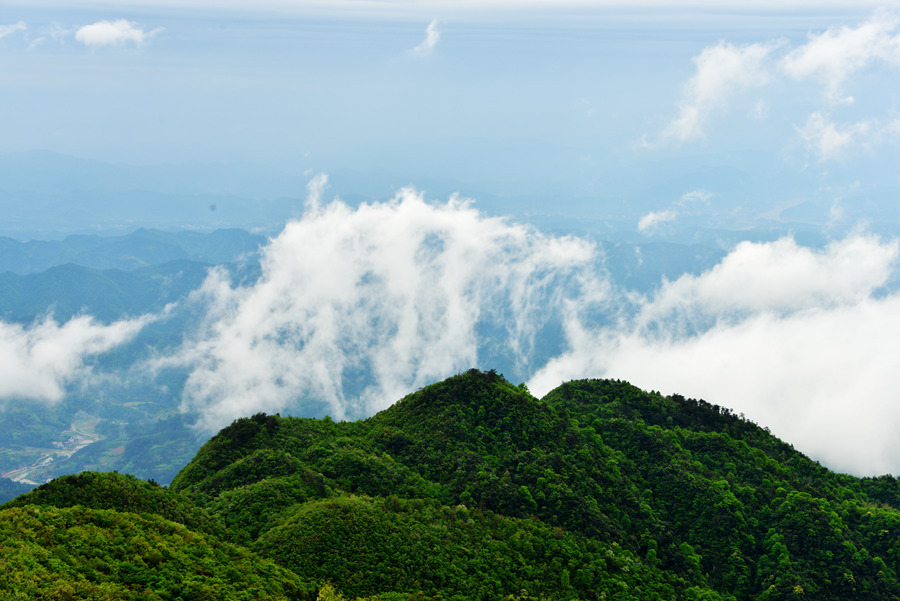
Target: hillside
{"x": 473, "y": 489}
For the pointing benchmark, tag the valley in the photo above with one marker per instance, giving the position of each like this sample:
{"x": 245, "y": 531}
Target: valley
{"x": 83, "y": 432}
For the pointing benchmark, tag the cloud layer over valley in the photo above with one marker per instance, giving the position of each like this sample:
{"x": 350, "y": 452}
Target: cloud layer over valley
{"x": 357, "y": 307}
{"x": 38, "y": 362}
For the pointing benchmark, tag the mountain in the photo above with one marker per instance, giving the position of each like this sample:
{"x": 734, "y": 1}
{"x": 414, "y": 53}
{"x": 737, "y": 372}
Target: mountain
{"x": 471, "y": 488}
{"x": 107, "y": 295}
{"x": 140, "y": 248}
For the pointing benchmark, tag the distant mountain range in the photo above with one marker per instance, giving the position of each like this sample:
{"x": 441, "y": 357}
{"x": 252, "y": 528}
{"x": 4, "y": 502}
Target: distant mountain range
{"x": 710, "y": 197}
{"x": 140, "y": 248}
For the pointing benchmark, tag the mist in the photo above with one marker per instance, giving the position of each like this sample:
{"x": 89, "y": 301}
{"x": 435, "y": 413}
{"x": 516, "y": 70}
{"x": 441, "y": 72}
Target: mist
{"x": 38, "y": 362}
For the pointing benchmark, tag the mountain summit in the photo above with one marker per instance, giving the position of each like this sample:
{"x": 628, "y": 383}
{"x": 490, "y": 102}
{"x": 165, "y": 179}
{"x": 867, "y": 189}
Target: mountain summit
{"x": 472, "y": 488}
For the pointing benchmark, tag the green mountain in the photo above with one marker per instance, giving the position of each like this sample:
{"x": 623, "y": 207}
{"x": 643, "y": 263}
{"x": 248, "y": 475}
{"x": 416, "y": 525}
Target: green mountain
{"x": 470, "y": 489}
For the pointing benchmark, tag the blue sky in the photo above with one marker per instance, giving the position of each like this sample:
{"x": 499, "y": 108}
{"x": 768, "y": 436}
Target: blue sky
{"x": 304, "y": 86}
{"x": 597, "y": 105}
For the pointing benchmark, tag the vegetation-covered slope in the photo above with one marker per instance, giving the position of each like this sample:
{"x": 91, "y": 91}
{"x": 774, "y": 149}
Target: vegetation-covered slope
{"x": 80, "y": 553}
{"x": 473, "y": 489}
{"x": 123, "y": 493}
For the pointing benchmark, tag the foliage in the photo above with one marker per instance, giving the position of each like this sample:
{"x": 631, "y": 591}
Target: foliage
{"x": 361, "y": 545}
{"x": 124, "y": 493}
{"x": 78, "y": 553}
{"x": 473, "y": 489}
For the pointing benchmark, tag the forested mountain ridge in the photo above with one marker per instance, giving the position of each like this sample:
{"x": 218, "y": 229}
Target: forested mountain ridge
{"x": 473, "y": 489}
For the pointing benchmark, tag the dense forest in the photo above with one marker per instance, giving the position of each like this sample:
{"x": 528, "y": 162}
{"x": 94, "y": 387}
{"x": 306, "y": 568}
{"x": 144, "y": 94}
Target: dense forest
{"x": 470, "y": 488}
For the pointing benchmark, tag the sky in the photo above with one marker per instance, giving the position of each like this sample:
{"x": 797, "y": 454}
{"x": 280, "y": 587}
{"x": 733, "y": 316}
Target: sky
{"x": 657, "y": 116}
{"x": 307, "y": 87}
{"x": 785, "y": 112}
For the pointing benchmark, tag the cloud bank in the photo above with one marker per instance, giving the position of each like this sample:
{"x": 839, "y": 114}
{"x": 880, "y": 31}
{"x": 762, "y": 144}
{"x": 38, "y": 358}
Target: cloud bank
{"x": 38, "y": 362}
{"x": 357, "y": 307}
{"x": 798, "y": 340}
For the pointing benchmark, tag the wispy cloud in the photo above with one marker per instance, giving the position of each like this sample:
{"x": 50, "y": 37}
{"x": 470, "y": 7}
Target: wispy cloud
{"x": 432, "y": 37}
{"x": 830, "y": 140}
{"x": 114, "y": 33}
{"x": 722, "y": 71}
{"x": 37, "y": 362}
{"x": 652, "y": 220}
{"x": 6, "y": 30}
{"x": 830, "y": 58}
{"x": 837, "y": 53}
{"x": 695, "y": 197}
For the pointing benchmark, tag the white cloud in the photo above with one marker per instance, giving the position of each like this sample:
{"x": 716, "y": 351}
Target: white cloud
{"x": 800, "y": 341}
{"x": 778, "y": 276}
{"x": 837, "y": 53}
{"x": 38, "y": 362}
{"x": 6, "y": 30}
{"x": 829, "y": 140}
{"x": 698, "y": 196}
{"x": 652, "y": 220}
{"x": 432, "y": 36}
{"x": 388, "y": 295}
{"x": 357, "y": 307}
{"x": 722, "y": 71}
{"x": 113, "y": 33}
{"x": 831, "y": 57}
